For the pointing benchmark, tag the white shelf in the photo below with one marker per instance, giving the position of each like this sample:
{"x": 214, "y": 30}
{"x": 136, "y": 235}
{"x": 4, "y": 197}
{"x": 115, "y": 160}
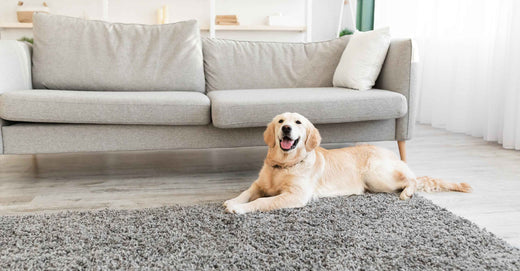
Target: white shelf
{"x": 203, "y": 28}
{"x": 213, "y": 27}
{"x": 16, "y": 25}
{"x": 259, "y": 28}
{"x": 255, "y": 28}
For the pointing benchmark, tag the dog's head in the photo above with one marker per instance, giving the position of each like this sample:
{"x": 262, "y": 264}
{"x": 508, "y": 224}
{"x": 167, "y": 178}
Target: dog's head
{"x": 289, "y": 132}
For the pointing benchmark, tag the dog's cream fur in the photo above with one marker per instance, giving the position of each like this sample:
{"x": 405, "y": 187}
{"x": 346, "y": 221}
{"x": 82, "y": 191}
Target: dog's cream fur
{"x": 290, "y": 179}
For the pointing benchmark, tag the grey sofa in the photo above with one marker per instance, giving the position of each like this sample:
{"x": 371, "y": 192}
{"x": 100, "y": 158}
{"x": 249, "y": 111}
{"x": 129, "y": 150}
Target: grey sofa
{"x": 90, "y": 86}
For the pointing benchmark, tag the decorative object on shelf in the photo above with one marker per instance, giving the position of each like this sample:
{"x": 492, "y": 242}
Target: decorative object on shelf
{"x": 26, "y": 39}
{"x": 215, "y": 26}
{"x": 84, "y": 15}
{"x": 25, "y": 12}
{"x": 351, "y": 23}
{"x": 163, "y": 15}
{"x": 226, "y": 20}
{"x": 280, "y": 20}
{"x": 345, "y": 32}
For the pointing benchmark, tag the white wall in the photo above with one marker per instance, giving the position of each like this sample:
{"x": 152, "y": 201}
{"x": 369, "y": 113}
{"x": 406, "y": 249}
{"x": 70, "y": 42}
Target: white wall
{"x": 325, "y": 14}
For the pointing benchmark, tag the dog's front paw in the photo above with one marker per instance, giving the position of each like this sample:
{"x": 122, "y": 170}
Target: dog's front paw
{"x": 406, "y": 195}
{"x": 236, "y": 209}
{"x": 228, "y": 202}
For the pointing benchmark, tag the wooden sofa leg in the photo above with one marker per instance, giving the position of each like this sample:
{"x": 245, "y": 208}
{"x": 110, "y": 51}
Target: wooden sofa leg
{"x": 402, "y": 149}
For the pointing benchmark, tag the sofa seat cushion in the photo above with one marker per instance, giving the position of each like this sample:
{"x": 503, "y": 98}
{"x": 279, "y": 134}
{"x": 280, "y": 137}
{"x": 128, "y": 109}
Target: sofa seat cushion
{"x": 255, "y": 107}
{"x": 106, "y": 107}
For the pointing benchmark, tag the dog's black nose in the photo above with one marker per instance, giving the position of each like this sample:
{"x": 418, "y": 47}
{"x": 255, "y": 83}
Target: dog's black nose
{"x": 286, "y": 129}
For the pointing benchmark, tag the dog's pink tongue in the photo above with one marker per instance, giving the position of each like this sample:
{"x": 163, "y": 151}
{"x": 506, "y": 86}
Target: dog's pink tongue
{"x": 286, "y": 143}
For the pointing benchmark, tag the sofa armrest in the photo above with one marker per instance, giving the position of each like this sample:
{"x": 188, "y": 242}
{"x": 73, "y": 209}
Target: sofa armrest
{"x": 15, "y": 65}
{"x": 15, "y": 71}
{"x": 399, "y": 74}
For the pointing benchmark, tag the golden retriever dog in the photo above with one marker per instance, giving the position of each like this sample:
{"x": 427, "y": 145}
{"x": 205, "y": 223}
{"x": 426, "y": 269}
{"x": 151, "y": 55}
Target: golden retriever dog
{"x": 297, "y": 170}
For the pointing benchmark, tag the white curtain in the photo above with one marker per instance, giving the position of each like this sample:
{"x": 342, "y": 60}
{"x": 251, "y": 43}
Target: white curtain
{"x": 469, "y": 55}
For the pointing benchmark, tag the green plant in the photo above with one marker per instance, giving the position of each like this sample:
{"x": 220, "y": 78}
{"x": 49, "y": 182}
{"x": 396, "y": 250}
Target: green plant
{"x": 26, "y": 39}
{"x": 345, "y": 32}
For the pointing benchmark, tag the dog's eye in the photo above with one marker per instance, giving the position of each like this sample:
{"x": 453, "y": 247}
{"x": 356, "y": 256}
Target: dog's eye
{"x": 280, "y": 121}
{"x": 298, "y": 122}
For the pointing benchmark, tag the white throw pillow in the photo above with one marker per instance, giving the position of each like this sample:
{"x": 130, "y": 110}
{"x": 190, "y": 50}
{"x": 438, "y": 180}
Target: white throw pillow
{"x": 362, "y": 59}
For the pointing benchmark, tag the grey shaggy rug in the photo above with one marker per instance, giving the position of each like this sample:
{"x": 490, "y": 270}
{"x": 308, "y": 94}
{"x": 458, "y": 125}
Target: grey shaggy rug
{"x": 370, "y": 232}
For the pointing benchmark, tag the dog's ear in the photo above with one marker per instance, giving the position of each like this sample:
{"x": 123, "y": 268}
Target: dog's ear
{"x": 313, "y": 139}
{"x": 269, "y": 135}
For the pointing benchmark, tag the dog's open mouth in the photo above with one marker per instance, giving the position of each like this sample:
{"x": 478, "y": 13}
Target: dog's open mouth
{"x": 287, "y": 144}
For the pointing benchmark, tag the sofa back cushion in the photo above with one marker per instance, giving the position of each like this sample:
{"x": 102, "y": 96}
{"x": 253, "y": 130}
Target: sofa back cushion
{"x": 230, "y": 64}
{"x": 77, "y": 54}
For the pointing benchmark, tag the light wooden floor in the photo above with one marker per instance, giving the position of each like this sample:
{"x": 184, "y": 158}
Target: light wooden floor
{"x": 47, "y": 183}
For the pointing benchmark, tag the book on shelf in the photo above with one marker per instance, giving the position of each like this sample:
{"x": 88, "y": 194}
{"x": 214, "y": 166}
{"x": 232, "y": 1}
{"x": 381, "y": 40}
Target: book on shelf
{"x": 229, "y": 17}
{"x": 228, "y": 23}
{"x": 226, "y": 20}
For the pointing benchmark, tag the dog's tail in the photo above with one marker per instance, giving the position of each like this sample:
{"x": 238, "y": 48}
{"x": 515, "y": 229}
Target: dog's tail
{"x": 429, "y": 184}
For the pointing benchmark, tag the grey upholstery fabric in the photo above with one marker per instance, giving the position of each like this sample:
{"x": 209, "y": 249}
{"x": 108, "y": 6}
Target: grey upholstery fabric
{"x": 30, "y": 138}
{"x": 399, "y": 75}
{"x": 190, "y": 110}
{"x": 77, "y": 54}
{"x": 106, "y": 107}
{"x": 255, "y": 108}
{"x": 232, "y": 64}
